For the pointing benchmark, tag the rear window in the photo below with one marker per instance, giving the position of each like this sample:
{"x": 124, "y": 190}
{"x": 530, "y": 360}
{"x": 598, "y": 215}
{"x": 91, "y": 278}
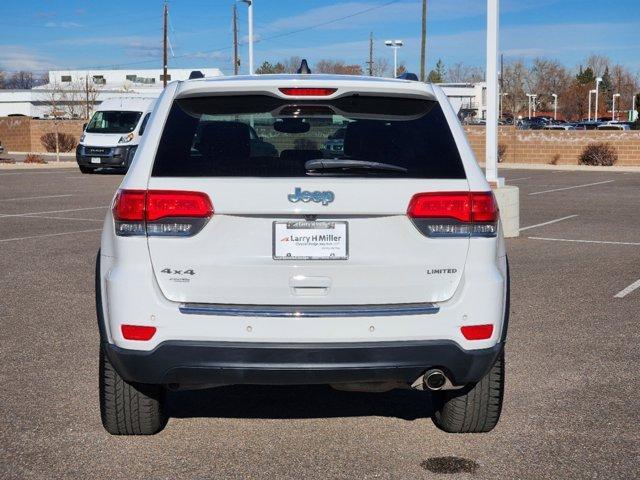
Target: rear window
{"x": 261, "y": 136}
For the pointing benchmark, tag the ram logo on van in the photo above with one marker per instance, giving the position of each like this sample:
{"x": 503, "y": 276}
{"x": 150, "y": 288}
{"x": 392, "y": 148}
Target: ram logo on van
{"x": 306, "y": 196}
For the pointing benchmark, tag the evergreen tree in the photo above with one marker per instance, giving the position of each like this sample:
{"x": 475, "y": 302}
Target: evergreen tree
{"x": 437, "y": 74}
{"x": 585, "y": 76}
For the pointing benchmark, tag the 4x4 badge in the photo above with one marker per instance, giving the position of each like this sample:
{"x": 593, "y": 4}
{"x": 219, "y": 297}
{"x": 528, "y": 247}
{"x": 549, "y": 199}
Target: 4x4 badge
{"x": 305, "y": 196}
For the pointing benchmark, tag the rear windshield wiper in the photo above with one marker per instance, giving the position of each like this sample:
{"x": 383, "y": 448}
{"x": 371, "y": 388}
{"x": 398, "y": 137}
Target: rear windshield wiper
{"x": 322, "y": 165}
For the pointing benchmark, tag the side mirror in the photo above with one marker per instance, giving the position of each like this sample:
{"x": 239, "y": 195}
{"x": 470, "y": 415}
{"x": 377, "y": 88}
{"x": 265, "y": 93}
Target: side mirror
{"x": 84, "y": 126}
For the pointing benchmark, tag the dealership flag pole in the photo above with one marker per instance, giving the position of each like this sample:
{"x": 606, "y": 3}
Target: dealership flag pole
{"x": 491, "y": 151}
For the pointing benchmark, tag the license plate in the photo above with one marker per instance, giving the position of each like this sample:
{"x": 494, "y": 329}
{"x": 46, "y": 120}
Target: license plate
{"x": 302, "y": 240}
{"x": 95, "y": 159}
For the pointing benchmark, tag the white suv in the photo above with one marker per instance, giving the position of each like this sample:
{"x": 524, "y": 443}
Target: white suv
{"x": 240, "y": 251}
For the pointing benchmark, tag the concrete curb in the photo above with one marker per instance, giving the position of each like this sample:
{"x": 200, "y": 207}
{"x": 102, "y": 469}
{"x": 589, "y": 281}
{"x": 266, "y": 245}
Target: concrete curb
{"x": 577, "y": 168}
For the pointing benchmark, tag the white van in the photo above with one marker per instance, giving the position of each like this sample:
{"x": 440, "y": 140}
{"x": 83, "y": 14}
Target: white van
{"x": 111, "y": 137}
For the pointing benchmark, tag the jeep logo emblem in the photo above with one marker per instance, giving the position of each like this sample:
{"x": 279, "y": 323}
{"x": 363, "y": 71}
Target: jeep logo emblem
{"x": 305, "y": 196}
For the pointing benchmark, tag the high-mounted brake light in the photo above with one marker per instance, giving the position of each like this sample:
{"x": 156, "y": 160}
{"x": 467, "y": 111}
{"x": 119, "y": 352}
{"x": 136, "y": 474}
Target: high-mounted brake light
{"x": 455, "y": 214}
{"x": 477, "y": 332}
{"x": 137, "y": 332}
{"x": 160, "y": 212}
{"x": 308, "y": 92}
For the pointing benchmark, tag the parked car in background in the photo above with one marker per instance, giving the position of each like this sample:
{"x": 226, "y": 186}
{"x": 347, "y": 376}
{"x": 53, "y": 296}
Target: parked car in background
{"x": 619, "y": 126}
{"x": 334, "y": 146}
{"x": 559, "y": 126}
{"x": 587, "y": 125}
{"x": 111, "y": 137}
{"x": 533, "y": 123}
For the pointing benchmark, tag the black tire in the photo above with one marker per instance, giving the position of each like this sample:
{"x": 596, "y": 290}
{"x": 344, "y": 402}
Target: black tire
{"x": 475, "y": 409}
{"x": 85, "y": 169}
{"x": 128, "y": 408}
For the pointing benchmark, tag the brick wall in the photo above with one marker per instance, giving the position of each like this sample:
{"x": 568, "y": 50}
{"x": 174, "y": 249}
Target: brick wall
{"x": 22, "y": 134}
{"x": 544, "y": 146}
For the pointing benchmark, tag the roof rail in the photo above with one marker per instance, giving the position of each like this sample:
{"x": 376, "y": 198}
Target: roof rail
{"x": 408, "y": 76}
{"x": 196, "y": 74}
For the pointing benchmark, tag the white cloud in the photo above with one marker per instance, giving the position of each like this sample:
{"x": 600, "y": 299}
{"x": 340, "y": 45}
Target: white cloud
{"x": 62, "y": 25}
{"x": 16, "y": 57}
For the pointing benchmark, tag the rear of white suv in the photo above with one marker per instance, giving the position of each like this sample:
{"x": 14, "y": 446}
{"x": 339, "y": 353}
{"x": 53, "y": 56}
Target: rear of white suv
{"x": 239, "y": 250}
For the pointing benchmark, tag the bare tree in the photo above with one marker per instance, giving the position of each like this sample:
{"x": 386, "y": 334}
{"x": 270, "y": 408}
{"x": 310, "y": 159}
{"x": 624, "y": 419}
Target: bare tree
{"x": 380, "y": 67}
{"x": 547, "y": 77}
{"x": 598, "y": 63}
{"x": 291, "y": 64}
{"x": 338, "y": 67}
{"x": 461, "y": 73}
{"x": 22, "y": 80}
{"x": 515, "y": 80}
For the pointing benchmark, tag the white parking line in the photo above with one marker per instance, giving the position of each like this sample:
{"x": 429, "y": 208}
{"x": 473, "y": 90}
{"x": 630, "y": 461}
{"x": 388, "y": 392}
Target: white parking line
{"x": 548, "y": 223}
{"x": 516, "y": 179}
{"x": 34, "y": 173}
{"x": 49, "y": 235}
{"x": 33, "y": 198}
{"x": 626, "y": 291}
{"x": 574, "y": 186}
{"x": 49, "y": 211}
{"x": 583, "y": 241}
{"x": 62, "y": 218}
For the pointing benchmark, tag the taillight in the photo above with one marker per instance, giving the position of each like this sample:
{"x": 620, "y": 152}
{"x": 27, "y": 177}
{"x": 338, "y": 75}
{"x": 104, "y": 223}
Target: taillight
{"x": 455, "y": 214}
{"x": 308, "y": 92}
{"x": 160, "y": 212}
{"x": 477, "y": 332}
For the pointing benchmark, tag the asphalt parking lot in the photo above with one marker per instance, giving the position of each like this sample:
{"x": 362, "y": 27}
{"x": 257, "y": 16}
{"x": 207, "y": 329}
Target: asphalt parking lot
{"x": 571, "y": 405}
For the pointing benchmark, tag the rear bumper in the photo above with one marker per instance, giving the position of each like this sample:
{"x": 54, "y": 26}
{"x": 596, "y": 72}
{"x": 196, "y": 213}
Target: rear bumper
{"x": 229, "y": 363}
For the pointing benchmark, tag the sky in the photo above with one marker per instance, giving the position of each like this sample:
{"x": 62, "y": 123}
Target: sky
{"x": 40, "y": 35}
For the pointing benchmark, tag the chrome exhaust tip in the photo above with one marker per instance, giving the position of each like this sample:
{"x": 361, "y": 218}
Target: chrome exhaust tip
{"x": 434, "y": 380}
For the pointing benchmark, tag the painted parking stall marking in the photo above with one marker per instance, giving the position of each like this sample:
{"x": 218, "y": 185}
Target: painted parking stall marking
{"x": 626, "y": 291}
{"x": 572, "y": 187}
{"x": 549, "y": 222}
{"x": 583, "y": 241}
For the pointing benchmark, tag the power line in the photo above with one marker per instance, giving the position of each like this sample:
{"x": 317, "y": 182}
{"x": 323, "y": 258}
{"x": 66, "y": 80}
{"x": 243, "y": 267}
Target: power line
{"x": 264, "y": 39}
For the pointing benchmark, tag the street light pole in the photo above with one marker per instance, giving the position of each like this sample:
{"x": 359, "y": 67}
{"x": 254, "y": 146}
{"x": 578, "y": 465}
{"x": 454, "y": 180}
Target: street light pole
{"x": 598, "y": 80}
{"x": 555, "y": 106}
{"x": 589, "y": 115}
{"x": 250, "y": 21}
{"x": 491, "y": 143}
{"x": 395, "y": 45}
{"x": 613, "y": 107}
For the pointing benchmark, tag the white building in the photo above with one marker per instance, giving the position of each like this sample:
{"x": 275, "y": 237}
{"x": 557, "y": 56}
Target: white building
{"x": 468, "y": 99}
{"x": 74, "y": 85}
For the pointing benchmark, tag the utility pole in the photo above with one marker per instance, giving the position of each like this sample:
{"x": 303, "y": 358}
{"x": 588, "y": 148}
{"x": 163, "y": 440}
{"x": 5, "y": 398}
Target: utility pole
{"x": 370, "y": 62}
{"x": 236, "y": 60}
{"x": 164, "y": 45}
{"x": 423, "y": 45}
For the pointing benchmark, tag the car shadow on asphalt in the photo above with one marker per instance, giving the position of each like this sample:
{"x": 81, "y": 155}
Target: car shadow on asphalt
{"x": 291, "y": 402}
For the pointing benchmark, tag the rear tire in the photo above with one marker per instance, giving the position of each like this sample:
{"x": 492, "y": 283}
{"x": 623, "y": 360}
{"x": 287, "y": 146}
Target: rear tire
{"x": 129, "y": 408}
{"x": 85, "y": 169}
{"x": 475, "y": 409}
